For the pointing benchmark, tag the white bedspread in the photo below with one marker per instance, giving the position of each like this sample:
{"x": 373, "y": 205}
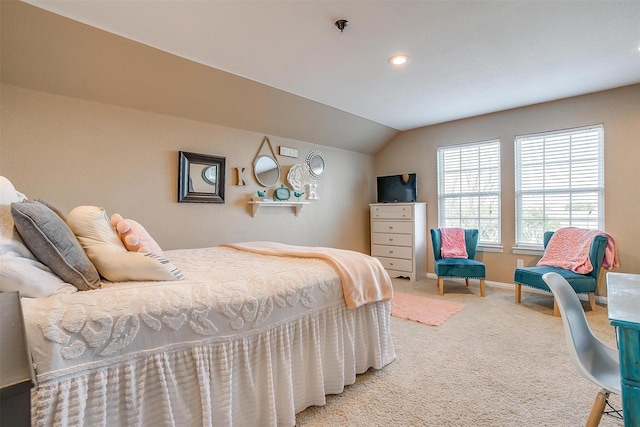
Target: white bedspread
{"x": 363, "y": 278}
{"x": 228, "y": 345}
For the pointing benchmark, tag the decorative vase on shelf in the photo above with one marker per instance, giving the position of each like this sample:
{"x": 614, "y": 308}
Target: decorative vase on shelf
{"x": 313, "y": 195}
{"x": 262, "y": 197}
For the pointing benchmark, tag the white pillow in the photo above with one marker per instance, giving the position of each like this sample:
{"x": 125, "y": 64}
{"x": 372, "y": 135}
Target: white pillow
{"x": 30, "y": 278}
{"x": 19, "y": 269}
{"x": 8, "y": 193}
{"x": 106, "y": 251}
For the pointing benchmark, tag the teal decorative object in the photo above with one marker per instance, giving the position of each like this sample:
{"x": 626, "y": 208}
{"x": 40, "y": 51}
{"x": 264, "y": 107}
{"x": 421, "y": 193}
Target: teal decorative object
{"x": 298, "y": 195}
{"x": 282, "y": 193}
{"x": 262, "y": 197}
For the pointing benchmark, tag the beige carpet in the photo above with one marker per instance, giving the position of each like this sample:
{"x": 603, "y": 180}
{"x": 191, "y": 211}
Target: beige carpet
{"x": 495, "y": 363}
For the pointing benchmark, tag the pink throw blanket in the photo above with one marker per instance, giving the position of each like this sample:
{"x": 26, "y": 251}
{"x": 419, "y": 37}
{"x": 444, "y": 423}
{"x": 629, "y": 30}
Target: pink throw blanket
{"x": 453, "y": 243}
{"x": 363, "y": 278}
{"x": 569, "y": 248}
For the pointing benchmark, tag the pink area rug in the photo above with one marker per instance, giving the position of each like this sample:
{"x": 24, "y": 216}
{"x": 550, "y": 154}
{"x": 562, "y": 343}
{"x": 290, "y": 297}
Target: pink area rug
{"x": 430, "y": 311}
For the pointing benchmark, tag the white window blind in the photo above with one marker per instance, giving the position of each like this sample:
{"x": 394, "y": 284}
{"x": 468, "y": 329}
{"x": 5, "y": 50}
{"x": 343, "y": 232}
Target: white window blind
{"x": 469, "y": 188}
{"x": 559, "y": 182}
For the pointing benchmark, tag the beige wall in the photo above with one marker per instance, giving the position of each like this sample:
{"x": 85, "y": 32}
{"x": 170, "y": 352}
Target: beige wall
{"x": 618, "y": 110}
{"x": 73, "y": 152}
{"x": 49, "y": 53}
{"x": 88, "y": 117}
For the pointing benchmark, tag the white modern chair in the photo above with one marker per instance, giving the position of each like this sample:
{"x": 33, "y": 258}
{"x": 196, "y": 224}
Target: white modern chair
{"x": 595, "y": 360}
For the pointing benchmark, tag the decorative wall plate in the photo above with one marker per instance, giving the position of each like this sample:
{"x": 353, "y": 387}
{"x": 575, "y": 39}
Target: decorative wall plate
{"x": 298, "y": 176}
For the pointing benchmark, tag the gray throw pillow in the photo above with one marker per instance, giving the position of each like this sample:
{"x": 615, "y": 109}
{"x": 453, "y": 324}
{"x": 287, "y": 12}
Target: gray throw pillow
{"x": 53, "y": 208}
{"x": 54, "y": 244}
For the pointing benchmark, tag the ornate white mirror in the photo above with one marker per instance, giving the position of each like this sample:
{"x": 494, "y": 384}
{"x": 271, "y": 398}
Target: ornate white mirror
{"x": 317, "y": 164}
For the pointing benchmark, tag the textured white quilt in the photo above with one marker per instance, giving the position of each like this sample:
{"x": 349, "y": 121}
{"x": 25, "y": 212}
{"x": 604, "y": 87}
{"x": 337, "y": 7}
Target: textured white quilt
{"x": 244, "y": 339}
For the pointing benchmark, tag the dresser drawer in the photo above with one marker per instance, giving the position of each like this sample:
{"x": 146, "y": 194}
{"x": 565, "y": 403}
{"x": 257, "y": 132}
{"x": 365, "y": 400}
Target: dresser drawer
{"x": 398, "y": 238}
{"x": 392, "y": 227}
{"x": 392, "y": 239}
{"x": 392, "y": 251}
{"x": 391, "y": 212}
{"x": 397, "y": 264}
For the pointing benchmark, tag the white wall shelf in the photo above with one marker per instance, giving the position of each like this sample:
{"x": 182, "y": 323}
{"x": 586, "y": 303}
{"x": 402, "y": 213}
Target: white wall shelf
{"x": 297, "y": 206}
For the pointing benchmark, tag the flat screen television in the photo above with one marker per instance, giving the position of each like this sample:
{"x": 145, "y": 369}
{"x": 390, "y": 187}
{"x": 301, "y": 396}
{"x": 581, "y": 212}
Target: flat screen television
{"x": 397, "y": 188}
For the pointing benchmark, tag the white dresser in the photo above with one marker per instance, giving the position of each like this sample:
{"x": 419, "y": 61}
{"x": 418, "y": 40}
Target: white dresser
{"x": 399, "y": 238}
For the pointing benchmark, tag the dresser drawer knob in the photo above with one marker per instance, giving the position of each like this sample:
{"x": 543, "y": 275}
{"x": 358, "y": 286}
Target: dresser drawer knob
{"x": 390, "y": 227}
{"x": 390, "y": 252}
{"x": 391, "y": 239}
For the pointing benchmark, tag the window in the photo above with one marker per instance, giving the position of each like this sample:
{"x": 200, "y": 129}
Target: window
{"x": 559, "y": 182}
{"x": 469, "y": 189}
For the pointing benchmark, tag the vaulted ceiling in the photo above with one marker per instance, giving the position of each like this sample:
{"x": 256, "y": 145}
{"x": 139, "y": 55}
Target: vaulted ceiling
{"x": 466, "y": 58}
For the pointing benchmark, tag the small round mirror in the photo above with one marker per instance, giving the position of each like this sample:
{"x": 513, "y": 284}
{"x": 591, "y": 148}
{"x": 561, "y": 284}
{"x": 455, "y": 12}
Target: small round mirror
{"x": 316, "y": 163}
{"x": 210, "y": 174}
{"x": 266, "y": 170}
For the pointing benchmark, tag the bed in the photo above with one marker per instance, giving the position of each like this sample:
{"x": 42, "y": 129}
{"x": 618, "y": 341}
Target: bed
{"x": 240, "y": 335}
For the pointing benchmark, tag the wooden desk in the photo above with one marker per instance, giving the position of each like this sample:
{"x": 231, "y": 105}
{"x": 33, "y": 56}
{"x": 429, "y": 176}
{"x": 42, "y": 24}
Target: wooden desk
{"x": 623, "y": 294}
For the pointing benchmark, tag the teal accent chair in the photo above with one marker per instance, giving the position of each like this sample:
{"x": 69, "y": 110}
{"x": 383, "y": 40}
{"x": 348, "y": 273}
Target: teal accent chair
{"x": 465, "y": 268}
{"x": 581, "y": 283}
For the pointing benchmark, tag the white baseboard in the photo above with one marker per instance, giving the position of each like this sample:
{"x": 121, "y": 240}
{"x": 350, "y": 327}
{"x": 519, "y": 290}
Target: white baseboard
{"x": 599, "y": 299}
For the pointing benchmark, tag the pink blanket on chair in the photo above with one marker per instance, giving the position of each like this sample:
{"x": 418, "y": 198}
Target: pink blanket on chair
{"x": 569, "y": 248}
{"x": 453, "y": 243}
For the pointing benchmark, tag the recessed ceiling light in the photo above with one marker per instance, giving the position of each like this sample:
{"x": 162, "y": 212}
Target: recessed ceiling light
{"x": 399, "y": 59}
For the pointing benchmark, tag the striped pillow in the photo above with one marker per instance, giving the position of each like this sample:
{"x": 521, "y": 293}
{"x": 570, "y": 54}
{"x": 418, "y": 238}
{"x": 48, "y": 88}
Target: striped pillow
{"x": 104, "y": 248}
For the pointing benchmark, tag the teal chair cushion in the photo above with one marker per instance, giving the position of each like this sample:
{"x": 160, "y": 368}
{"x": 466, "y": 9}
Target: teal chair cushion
{"x": 459, "y": 267}
{"x": 581, "y": 283}
{"x": 532, "y": 276}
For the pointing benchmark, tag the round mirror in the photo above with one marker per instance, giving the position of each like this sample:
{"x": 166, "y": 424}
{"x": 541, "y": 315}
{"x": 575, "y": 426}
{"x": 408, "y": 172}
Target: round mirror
{"x": 316, "y": 163}
{"x": 210, "y": 174}
{"x": 266, "y": 170}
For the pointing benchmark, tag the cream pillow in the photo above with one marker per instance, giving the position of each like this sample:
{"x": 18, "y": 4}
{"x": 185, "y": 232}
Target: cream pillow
{"x": 106, "y": 251}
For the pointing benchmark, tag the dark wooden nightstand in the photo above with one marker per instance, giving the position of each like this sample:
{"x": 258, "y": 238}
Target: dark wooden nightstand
{"x": 16, "y": 374}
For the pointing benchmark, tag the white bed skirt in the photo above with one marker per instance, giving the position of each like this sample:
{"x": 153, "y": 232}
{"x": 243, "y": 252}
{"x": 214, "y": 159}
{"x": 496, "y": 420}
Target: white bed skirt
{"x": 262, "y": 379}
